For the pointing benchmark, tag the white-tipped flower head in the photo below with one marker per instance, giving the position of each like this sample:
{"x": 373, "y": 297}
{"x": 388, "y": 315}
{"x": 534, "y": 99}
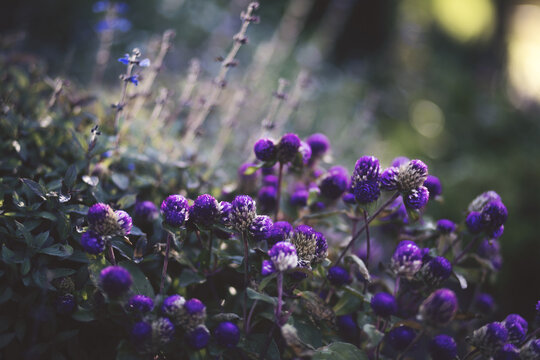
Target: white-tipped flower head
{"x": 283, "y": 256}
{"x": 243, "y": 212}
{"x": 412, "y": 175}
{"x": 304, "y": 240}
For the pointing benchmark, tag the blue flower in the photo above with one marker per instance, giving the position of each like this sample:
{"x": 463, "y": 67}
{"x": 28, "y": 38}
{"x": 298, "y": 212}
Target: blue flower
{"x": 92, "y": 243}
{"x": 443, "y": 347}
{"x": 124, "y": 60}
{"x": 144, "y": 63}
{"x": 227, "y": 334}
{"x": 102, "y": 220}
{"x": 338, "y": 276}
{"x": 389, "y": 179}
{"x": 124, "y": 222}
{"x": 407, "y": 259}
{"x": 439, "y": 308}
{"x": 489, "y": 338}
{"x": 145, "y": 211}
{"x": 243, "y": 211}
{"x": 517, "y": 328}
{"x": 474, "y": 222}
{"x": 198, "y": 338}
{"x": 141, "y": 333}
{"x": 416, "y": 198}
{"x": 265, "y": 150}
{"x": 260, "y": 227}
{"x": 366, "y": 191}
{"x": 280, "y": 231}
{"x": 319, "y": 144}
{"x": 205, "y": 211}
{"x": 175, "y": 210}
{"x": 299, "y": 198}
{"x": 134, "y": 79}
{"x": 484, "y": 303}
{"x": 334, "y": 184}
{"x": 446, "y": 226}
{"x": 433, "y": 184}
{"x": 267, "y": 198}
{"x": 436, "y": 271}
{"x": 384, "y": 304}
{"x": 412, "y": 176}
{"x": 267, "y": 268}
{"x": 400, "y": 337}
{"x": 141, "y": 303}
{"x": 115, "y": 281}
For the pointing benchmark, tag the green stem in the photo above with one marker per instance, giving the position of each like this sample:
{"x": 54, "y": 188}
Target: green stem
{"x": 165, "y": 263}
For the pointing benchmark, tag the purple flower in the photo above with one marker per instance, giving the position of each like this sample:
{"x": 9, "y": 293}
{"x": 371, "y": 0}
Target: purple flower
{"x": 366, "y": 191}
{"x": 366, "y": 168}
{"x": 531, "y": 350}
{"x": 439, "y": 308}
{"x": 433, "y": 184}
{"x": 198, "y": 338}
{"x": 319, "y": 144}
{"x": 260, "y": 227}
{"x": 338, "y": 276}
{"x": 145, "y": 211}
{"x": 489, "y": 338}
{"x": 495, "y": 233}
{"x": 195, "y": 314}
{"x": 400, "y": 337}
{"x": 482, "y": 200}
{"x": 400, "y": 161}
{"x": 162, "y": 331}
{"x": 265, "y": 150}
{"x": 416, "y": 198}
{"x": 115, "y": 281}
{"x": 347, "y": 326}
{"x": 283, "y": 256}
{"x": 507, "y": 352}
{"x": 299, "y": 198}
{"x": 389, "y": 179}
{"x": 436, "y": 271}
{"x": 334, "y": 184}
{"x": 446, "y": 226}
{"x": 65, "y": 304}
{"x": 141, "y": 333}
{"x": 494, "y": 215}
{"x": 321, "y": 250}
{"x": 141, "y": 303}
{"x": 349, "y": 198}
{"x": 124, "y": 222}
{"x": 412, "y": 176}
{"x": 243, "y": 212}
{"x": 305, "y": 151}
{"x": 304, "y": 240}
{"x": 517, "y": 328}
{"x": 407, "y": 259}
{"x": 270, "y": 180}
{"x": 267, "y": 198}
{"x": 205, "y": 211}
{"x": 92, "y": 243}
{"x": 267, "y": 268}
{"x": 484, "y": 303}
{"x": 280, "y": 231}
{"x": 225, "y": 210}
{"x": 383, "y": 304}
{"x": 173, "y": 307}
{"x": 227, "y": 334}
{"x": 102, "y": 220}
{"x": 288, "y": 147}
{"x": 175, "y": 210}
{"x": 443, "y": 347}
{"x": 474, "y": 222}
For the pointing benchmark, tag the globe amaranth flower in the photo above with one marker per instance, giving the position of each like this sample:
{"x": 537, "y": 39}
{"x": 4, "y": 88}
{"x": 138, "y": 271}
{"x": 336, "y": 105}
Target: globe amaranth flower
{"x": 407, "y": 259}
{"x": 141, "y": 304}
{"x": 490, "y": 249}
{"x": 267, "y": 268}
{"x": 400, "y": 161}
{"x": 338, "y": 276}
{"x": 299, "y": 198}
{"x": 494, "y": 215}
{"x": 495, "y": 233}
{"x": 416, "y": 198}
{"x": 474, "y": 222}
{"x": 321, "y": 251}
{"x": 65, "y": 304}
{"x": 270, "y": 180}
{"x": 145, "y": 211}
{"x": 349, "y": 198}
{"x": 162, "y": 332}
{"x": 366, "y": 168}
{"x": 173, "y": 308}
{"x": 517, "y": 328}
{"x": 439, "y": 308}
{"x": 334, "y": 183}
{"x": 225, "y": 210}
{"x": 305, "y": 151}
{"x": 481, "y": 200}
{"x": 175, "y": 210}
{"x": 227, "y": 334}
{"x": 243, "y": 212}
{"x": 412, "y": 176}
{"x": 436, "y": 271}
{"x": 389, "y": 179}
{"x": 507, "y": 352}
{"x": 92, "y": 243}
{"x": 366, "y": 191}
{"x": 205, "y": 211}
{"x": 484, "y": 303}
{"x": 102, "y": 220}
{"x": 265, "y": 150}
{"x": 198, "y": 338}
{"x": 531, "y": 350}
{"x": 442, "y": 347}
{"x": 489, "y": 338}
{"x": 141, "y": 336}
{"x": 433, "y": 184}
{"x": 319, "y": 144}
{"x": 288, "y": 147}
{"x": 124, "y": 222}
{"x": 383, "y": 304}
{"x": 280, "y": 231}
{"x": 283, "y": 255}
{"x": 194, "y": 315}
{"x": 115, "y": 281}
{"x": 267, "y": 198}
{"x": 347, "y": 326}
{"x": 400, "y": 337}
{"x": 304, "y": 240}
{"x": 260, "y": 227}
{"x": 446, "y": 226}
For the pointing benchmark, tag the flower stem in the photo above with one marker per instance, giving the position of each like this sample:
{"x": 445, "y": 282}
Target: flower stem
{"x": 246, "y": 277}
{"x": 471, "y": 354}
{"x": 465, "y": 250}
{"x": 280, "y": 297}
{"x": 278, "y": 196}
{"x": 165, "y": 263}
{"x": 420, "y": 334}
{"x": 110, "y": 253}
{"x": 248, "y": 325}
{"x": 368, "y": 245}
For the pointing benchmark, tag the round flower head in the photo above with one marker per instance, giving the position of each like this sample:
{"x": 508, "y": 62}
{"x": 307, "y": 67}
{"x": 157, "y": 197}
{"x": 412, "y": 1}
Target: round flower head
{"x": 383, "y": 304}
{"x": 389, "y": 179}
{"x": 531, "y": 350}
{"x": 283, "y": 256}
{"x": 321, "y": 251}
{"x": 260, "y": 227}
{"x": 304, "y": 240}
{"x": 141, "y": 304}
{"x": 334, "y": 184}
{"x": 299, "y": 198}
{"x": 443, "y": 347}
{"x": 198, "y": 338}
{"x": 162, "y": 332}
{"x": 481, "y": 200}
{"x": 141, "y": 334}
{"x": 280, "y": 231}
{"x": 124, "y": 222}
{"x": 439, "y": 308}
{"x": 495, "y": 233}
{"x": 305, "y": 151}
{"x": 494, "y": 215}
{"x": 407, "y": 259}
{"x": 433, "y": 184}
{"x": 173, "y": 308}
{"x": 65, "y": 304}
{"x": 115, "y": 281}
{"x": 400, "y": 161}
{"x": 400, "y": 337}
{"x": 267, "y": 198}
{"x": 319, "y": 144}
{"x": 366, "y": 168}
{"x": 265, "y": 150}
{"x": 436, "y": 271}
{"x": 489, "y": 338}
{"x": 195, "y": 314}
{"x": 243, "y": 212}
{"x": 484, "y": 303}
{"x": 270, "y": 180}
{"x": 446, "y": 226}
{"x": 92, "y": 243}
{"x": 517, "y": 328}
{"x": 102, "y": 220}
{"x": 416, "y": 198}
{"x": 225, "y": 210}
{"x": 349, "y": 198}
{"x": 474, "y": 222}
{"x": 205, "y": 210}
{"x": 338, "y": 276}
{"x": 267, "y": 268}
{"x": 507, "y": 352}
{"x": 227, "y": 334}
{"x": 175, "y": 210}
{"x": 412, "y": 175}
{"x": 145, "y": 211}
{"x": 366, "y": 191}
{"x": 288, "y": 147}
{"x": 347, "y": 326}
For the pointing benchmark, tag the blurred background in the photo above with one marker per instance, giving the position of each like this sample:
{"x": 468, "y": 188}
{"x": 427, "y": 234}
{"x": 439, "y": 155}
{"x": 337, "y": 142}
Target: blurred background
{"x": 453, "y": 82}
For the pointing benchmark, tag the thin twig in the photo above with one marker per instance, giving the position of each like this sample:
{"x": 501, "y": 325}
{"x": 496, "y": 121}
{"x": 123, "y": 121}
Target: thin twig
{"x": 278, "y": 195}
{"x": 165, "y": 263}
{"x": 416, "y": 339}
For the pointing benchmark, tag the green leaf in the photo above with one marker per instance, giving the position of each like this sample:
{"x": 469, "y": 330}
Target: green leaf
{"x": 120, "y": 180}
{"x": 374, "y": 335}
{"x": 188, "y": 277}
{"x": 127, "y": 201}
{"x": 266, "y": 280}
{"x": 347, "y": 304}
{"x": 254, "y": 295}
{"x": 339, "y": 351}
{"x": 251, "y": 169}
{"x": 61, "y": 272}
{"x": 59, "y": 250}
{"x": 11, "y": 257}
{"x": 77, "y": 209}
{"x": 83, "y": 315}
{"x": 36, "y": 188}
{"x": 359, "y": 264}
{"x": 71, "y": 176}
{"x": 141, "y": 284}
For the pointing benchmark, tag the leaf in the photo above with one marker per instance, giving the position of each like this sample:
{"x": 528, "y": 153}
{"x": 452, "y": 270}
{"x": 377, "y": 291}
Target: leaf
{"x": 36, "y": 188}
{"x": 461, "y": 279}
{"x": 374, "y": 335}
{"x": 359, "y": 264}
{"x": 126, "y": 201}
{"x": 250, "y": 170}
{"x": 70, "y": 176}
{"x": 90, "y": 180}
{"x": 347, "y": 304}
{"x": 61, "y": 272}
{"x": 5, "y": 295}
{"x": 266, "y": 280}
{"x": 225, "y": 317}
{"x": 254, "y": 295}
{"x": 120, "y": 180}
{"x": 77, "y": 209}
{"x": 83, "y": 315}
{"x": 59, "y": 250}
{"x": 10, "y": 257}
{"x": 5, "y": 339}
{"x": 188, "y": 277}
{"x": 141, "y": 284}
{"x": 339, "y": 351}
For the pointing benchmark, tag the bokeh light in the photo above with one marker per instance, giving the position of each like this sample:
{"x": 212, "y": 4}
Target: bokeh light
{"x": 427, "y": 118}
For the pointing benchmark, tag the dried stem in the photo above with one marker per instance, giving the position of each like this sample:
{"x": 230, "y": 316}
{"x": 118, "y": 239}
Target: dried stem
{"x": 110, "y": 254}
{"x": 465, "y": 250}
{"x": 185, "y": 96}
{"x": 416, "y": 339}
{"x": 165, "y": 263}
{"x": 105, "y": 42}
{"x": 278, "y": 196}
